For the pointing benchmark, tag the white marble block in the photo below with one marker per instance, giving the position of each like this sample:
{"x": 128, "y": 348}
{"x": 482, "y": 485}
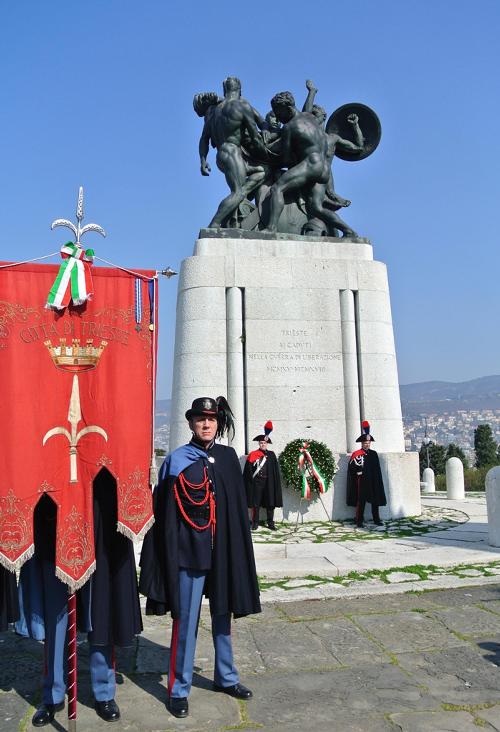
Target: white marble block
{"x": 428, "y": 480}
{"x": 296, "y": 330}
{"x": 455, "y": 485}
{"x": 493, "y": 505}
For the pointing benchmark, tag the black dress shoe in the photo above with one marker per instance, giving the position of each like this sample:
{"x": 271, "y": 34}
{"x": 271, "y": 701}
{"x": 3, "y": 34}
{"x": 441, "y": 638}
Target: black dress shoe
{"x": 45, "y": 714}
{"x": 378, "y": 523}
{"x": 271, "y": 525}
{"x": 108, "y": 710}
{"x": 237, "y": 690}
{"x": 255, "y": 525}
{"x": 360, "y": 525}
{"x": 178, "y": 706}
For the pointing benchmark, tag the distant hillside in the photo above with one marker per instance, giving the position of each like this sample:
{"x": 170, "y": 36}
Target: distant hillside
{"x": 427, "y": 397}
{"x": 163, "y": 406}
{"x": 163, "y": 411}
{"x": 446, "y": 396}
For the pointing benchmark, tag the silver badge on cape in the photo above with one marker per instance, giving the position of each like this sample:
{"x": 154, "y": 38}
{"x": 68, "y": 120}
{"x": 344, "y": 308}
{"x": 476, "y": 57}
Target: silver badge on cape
{"x": 211, "y": 459}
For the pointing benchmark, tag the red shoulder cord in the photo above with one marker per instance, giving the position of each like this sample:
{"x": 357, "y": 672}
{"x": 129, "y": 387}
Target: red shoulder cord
{"x": 207, "y": 498}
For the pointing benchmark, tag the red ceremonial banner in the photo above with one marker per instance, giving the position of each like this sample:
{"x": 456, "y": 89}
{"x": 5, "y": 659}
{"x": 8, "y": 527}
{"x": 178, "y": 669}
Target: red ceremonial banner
{"x": 77, "y": 395}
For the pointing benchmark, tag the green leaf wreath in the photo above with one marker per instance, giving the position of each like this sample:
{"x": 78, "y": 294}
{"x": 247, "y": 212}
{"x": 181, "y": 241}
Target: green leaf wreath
{"x": 293, "y": 475}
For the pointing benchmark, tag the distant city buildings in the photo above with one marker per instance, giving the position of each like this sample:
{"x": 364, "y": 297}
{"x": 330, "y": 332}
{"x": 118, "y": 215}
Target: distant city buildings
{"x": 457, "y": 427}
{"x": 162, "y": 427}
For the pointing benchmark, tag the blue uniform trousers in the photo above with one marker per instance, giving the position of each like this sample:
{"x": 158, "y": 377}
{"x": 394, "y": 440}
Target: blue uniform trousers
{"x": 54, "y": 610}
{"x": 185, "y": 632}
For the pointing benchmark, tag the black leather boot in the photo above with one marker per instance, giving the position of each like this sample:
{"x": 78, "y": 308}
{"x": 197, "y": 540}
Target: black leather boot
{"x": 270, "y": 519}
{"x": 255, "y": 519}
{"x": 45, "y": 714}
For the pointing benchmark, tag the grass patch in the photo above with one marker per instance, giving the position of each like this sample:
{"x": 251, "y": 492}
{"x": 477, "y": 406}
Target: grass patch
{"x": 471, "y": 708}
{"x": 423, "y": 572}
{"x": 245, "y": 721}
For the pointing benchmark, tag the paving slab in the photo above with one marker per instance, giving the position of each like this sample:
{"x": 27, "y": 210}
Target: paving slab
{"x": 435, "y": 722}
{"x": 347, "y": 643}
{"x": 346, "y": 722}
{"x": 298, "y": 567}
{"x": 455, "y": 676}
{"x": 321, "y": 695}
{"x": 407, "y": 631}
{"x": 402, "y": 577}
{"x": 470, "y": 621}
{"x": 493, "y": 605}
{"x": 296, "y": 645}
{"x": 269, "y": 551}
{"x": 378, "y": 604}
{"x": 492, "y": 716}
{"x": 313, "y": 609}
{"x": 467, "y": 596}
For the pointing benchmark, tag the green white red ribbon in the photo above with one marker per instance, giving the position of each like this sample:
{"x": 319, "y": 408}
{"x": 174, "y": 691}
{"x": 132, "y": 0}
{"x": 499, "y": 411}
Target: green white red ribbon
{"x": 74, "y": 279}
{"x": 309, "y": 470}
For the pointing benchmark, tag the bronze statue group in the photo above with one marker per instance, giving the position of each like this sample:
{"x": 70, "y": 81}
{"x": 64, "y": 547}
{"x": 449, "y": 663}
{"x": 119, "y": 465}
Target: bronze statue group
{"x": 279, "y": 168}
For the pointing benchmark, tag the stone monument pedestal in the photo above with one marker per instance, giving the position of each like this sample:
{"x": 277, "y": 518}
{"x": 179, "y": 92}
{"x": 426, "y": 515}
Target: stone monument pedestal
{"x": 298, "y": 330}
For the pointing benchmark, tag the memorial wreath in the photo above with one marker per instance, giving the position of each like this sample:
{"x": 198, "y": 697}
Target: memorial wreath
{"x": 307, "y": 466}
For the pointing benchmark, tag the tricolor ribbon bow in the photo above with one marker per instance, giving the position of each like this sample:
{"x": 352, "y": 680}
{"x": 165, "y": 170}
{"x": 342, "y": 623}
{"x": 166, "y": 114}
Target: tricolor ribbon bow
{"x": 306, "y": 466}
{"x": 74, "y": 279}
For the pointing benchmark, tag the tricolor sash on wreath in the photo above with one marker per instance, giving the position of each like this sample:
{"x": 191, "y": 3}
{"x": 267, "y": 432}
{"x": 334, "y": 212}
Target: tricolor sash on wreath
{"x": 308, "y": 469}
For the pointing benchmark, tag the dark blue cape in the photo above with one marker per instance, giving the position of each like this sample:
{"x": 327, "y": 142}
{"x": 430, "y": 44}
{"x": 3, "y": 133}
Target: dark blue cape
{"x": 231, "y": 584}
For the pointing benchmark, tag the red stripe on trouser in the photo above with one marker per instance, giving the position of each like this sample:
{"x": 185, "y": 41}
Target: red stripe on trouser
{"x": 173, "y": 655}
{"x": 358, "y": 507}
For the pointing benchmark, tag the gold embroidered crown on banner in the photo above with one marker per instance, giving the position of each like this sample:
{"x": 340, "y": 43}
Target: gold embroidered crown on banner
{"x": 76, "y": 356}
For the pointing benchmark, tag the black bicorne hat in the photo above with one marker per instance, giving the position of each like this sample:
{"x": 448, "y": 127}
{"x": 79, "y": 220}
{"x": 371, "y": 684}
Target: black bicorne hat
{"x": 268, "y": 428}
{"x": 365, "y": 436}
{"x": 262, "y": 438}
{"x": 219, "y": 408}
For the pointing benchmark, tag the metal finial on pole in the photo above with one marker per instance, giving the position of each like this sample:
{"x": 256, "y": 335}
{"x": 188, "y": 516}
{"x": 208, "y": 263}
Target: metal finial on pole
{"x": 168, "y": 272}
{"x": 79, "y": 230}
{"x": 79, "y": 205}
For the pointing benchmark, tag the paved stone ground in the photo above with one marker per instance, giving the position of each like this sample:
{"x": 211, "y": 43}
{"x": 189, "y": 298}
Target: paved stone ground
{"x": 433, "y": 518}
{"x": 411, "y": 662}
{"x": 440, "y": 548}
{"x": 350, "y": 637}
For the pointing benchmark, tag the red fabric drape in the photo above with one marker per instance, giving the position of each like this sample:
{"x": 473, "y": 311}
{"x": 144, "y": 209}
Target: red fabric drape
{"x": 61, "y": 421}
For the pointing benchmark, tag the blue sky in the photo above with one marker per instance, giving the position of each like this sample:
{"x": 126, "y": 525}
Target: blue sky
{"x": 99, "y": 93}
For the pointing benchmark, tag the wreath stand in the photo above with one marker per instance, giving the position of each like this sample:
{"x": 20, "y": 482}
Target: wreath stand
{"x": 305, "y": 499}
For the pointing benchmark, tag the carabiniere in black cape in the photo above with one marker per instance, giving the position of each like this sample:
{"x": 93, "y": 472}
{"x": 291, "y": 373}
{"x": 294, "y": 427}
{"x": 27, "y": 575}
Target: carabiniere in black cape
{"x": 271, "y": 493}
{"x": 231, "y": 584}
{"x": 371, "y": 485}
